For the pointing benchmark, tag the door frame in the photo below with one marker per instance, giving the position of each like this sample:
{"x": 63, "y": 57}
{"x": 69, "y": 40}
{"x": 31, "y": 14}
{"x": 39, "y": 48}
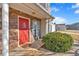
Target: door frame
{"x": 18, "y": 30}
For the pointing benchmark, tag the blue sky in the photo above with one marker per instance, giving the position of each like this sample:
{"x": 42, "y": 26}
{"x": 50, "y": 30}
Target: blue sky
{"x": 67, "y": 13}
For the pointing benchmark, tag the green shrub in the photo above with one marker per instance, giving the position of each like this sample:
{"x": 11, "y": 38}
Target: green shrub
{"x": 58, "y": 42}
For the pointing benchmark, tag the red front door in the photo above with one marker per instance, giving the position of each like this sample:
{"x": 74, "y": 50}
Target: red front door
{"x": 23, "y": 31}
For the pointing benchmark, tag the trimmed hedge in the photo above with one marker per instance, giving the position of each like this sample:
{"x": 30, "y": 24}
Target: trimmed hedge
{"x": 58, "y": 42}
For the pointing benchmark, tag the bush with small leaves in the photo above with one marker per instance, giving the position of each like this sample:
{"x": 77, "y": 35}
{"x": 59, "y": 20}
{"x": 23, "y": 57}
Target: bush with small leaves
{"x": 58, "y": 42}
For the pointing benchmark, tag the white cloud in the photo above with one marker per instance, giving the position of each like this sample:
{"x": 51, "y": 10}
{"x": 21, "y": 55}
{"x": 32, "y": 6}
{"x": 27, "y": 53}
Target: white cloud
{"x": 54, "y": 9}
{"x": 76, "y": 5}
{"x": 77, "y": 11}
{"x": 59, "y": 20}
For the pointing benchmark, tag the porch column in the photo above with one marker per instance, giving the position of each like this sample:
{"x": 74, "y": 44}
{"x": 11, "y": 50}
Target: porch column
{"x": 47, "y": 27}
{"x": 5, "y": 29}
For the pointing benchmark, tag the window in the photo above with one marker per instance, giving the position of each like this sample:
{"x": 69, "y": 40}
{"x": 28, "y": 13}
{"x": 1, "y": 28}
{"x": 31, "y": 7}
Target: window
{"x": 35, "y": 28}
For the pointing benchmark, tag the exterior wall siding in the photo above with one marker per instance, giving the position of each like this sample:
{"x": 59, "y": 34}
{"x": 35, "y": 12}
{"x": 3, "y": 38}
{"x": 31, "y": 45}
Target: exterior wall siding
{"x": 45, "y": 5}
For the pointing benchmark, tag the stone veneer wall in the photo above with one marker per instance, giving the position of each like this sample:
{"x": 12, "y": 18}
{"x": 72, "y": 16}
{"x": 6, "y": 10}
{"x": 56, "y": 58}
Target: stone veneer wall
{"x": 13, "y": 33}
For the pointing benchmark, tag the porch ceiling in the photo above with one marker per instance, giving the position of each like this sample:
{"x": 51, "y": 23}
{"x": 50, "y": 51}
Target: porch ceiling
{"x": 31, "y": 9}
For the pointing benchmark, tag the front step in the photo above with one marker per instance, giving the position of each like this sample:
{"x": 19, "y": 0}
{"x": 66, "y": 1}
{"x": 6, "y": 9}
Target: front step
{"x": 32, "y": 50}
{"x": 26, "y": 52}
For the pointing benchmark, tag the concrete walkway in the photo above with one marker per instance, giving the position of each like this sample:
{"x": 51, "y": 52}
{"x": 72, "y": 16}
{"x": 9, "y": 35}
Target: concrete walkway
{"x": 42, "y": 52}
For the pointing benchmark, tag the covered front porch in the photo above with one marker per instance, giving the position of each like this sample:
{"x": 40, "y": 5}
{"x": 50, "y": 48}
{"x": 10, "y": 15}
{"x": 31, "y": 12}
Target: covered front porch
{"x": 10, "y": 23}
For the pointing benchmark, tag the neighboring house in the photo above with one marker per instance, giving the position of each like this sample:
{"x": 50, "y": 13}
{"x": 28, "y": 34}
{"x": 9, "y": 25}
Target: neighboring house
{"x": 60, "y": 27}
{"x": 27, "y": 22}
